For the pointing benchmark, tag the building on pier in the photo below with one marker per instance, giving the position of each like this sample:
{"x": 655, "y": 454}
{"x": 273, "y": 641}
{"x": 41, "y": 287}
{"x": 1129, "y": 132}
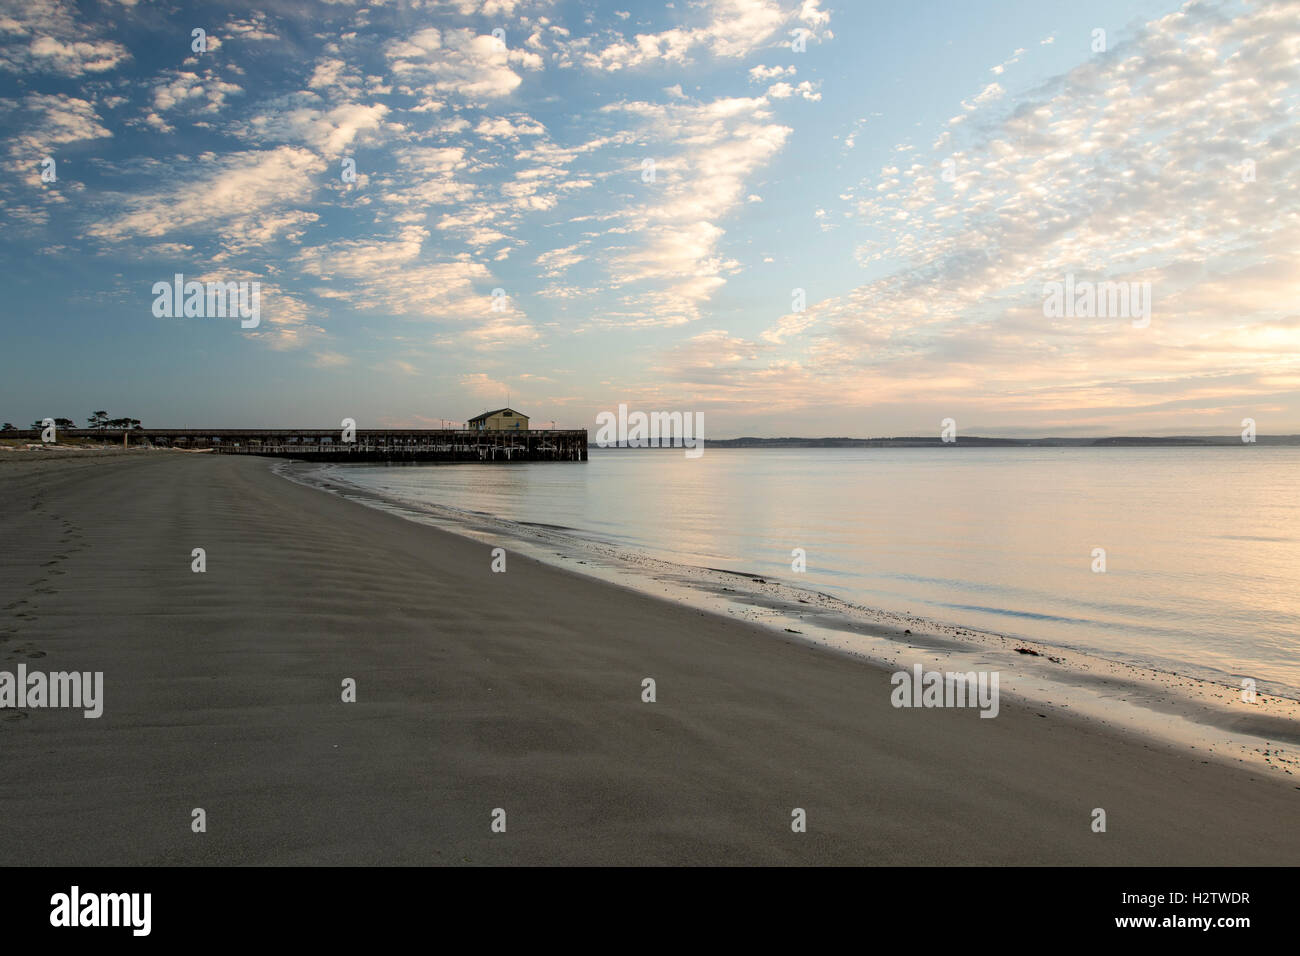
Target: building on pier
{"x": 500, "y": 419}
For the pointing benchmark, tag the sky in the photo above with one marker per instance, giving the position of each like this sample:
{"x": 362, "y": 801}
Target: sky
{"x": 797, "y": 217}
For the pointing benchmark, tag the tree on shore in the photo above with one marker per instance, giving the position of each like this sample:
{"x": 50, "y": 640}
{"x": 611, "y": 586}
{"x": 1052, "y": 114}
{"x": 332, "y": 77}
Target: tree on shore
{"x": 98, "y": 420}
{"x": 101, "y": 420}
{"x": 8, "y": 427}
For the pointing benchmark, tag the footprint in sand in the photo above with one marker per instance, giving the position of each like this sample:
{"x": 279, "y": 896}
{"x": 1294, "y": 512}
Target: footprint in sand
{"x": 35, "y": 654}
{"x": 17, "y": 715}
{"x": 20, "y": 602}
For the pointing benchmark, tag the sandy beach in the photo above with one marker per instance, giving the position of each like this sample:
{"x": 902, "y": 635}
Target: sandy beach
{"x": 521, "y": 691}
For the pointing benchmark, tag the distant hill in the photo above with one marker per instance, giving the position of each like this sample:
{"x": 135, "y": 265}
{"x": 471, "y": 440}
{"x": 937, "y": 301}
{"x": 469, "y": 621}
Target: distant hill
{"x": 974, "y": 441}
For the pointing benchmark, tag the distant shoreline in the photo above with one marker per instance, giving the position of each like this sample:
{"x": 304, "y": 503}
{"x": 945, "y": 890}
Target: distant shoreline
{"x": 1209, "y": 441}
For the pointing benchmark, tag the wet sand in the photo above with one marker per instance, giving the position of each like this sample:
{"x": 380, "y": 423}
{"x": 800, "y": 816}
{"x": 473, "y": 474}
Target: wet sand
{"x": 520, "y": 691}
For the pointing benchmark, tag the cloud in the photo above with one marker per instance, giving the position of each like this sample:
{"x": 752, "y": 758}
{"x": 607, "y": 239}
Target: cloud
{"x": 233, "y": 196}
{"x": 253, "y": 27}
{"x": 712, "y": 150}
{"x": 806, "y": 89}
{"x": 501, "y": 127}
{"x": 457, "y": 62}
{"x": 188, "y": 91}
{"x": 501, "y": 330}
{"x": 427, "y": 176}
{"x": 1128, "y": 168}
{"x": 309, "y": 120}
{"x": 395, "y": 275}
{"x": 555, "y": 262}
{"x": 481, "y": 384}
{"x": 735, "y": 29}
{"x": 761, "y": 74}
{"x": 48, "y": 121}
{"x": 48, "y": 36}
{"x": 987, "y": 95}
{"x": 326, "y": 359}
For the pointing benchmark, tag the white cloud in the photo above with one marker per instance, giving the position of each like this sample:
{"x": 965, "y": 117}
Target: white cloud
{"x": 761, "y": 74}
{"x": 51, "y": 121}
{"x": 49, "y": 36}
{"x": 253, "y": 27}
{"x": 697, "y": 184}
{"x": 393, "y": 274}
{"x": 735, "y": 29}
{"x": 183, "y": 90}
{"x": 475, "y": 68}
{"x": 807, "y": 89}
{"x": 233, "y": 195}
{"x": 556, "y": 261}
{"x": 502, "y": 127}
{"x": 309, "y": 120}
{"x": 987, "y": 95}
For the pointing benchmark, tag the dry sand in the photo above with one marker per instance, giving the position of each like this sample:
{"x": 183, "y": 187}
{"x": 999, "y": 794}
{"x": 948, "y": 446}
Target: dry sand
{"x": 519, "y": 691}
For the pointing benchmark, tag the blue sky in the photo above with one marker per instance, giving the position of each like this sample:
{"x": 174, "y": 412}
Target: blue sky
{"x": 517, "y": 162}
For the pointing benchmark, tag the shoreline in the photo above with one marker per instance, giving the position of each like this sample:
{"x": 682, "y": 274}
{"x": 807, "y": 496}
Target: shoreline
{"x": 520, "y": 691}
{"x": 1186, "y": 711}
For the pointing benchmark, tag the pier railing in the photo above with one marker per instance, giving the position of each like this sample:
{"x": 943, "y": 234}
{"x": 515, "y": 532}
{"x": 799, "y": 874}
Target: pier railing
{"x": 390, "y": 444}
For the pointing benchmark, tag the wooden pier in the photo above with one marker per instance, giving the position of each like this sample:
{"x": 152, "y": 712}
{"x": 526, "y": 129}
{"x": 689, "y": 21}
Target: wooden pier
{"x": 371, "y": 444}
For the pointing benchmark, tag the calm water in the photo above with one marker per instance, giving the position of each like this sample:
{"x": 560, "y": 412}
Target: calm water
{"x": 1202, "y": 545}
